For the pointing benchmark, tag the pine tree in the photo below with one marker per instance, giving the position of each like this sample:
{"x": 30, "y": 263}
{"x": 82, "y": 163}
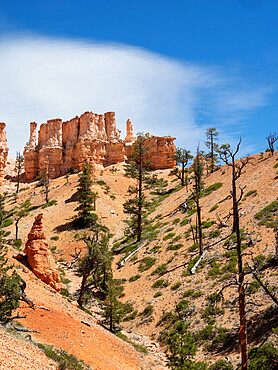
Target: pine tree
{"x": 211, "y": 144}
{"x": 197, "y": 188}
{"x": 95, "y": 265}
{"x": 182, "y": 157}
{"x": 44, "y": 181}
{"x": 9, "y": 283}
{"x": 19, "y": 213}
{"x": 113, "y": 309}
{"x": 19, "y": 163}
{"x": 138, "y": 170}
{"x": 86, "y": 198}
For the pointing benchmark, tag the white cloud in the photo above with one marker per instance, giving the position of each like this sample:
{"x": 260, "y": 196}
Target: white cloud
{"x": 43, "y": 78}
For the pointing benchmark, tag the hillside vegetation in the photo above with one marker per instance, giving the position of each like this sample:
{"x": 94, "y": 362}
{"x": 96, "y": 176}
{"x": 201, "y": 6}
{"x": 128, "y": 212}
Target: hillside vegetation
{"x": 158, "y": 284}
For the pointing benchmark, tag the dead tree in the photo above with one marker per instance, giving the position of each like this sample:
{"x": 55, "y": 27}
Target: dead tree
{"x": 227, "y": 155}
{"x": 271, "y": 139}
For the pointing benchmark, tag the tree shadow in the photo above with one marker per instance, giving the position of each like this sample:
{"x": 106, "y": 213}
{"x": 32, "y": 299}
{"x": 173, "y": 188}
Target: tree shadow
{"x": 73, "y": 198}
{"x": 71, "y": 225}
{"x": 259, "y": 327}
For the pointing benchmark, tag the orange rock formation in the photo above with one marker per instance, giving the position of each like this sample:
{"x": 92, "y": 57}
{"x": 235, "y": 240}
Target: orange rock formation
{"x": 40, "y": 257}
{"x": 65, "y": 146}
{"x": 4, "y": 150}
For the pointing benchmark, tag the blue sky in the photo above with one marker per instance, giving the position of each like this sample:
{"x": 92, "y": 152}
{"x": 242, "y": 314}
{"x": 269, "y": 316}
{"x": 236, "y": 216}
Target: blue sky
{"x": 173, "y": 67}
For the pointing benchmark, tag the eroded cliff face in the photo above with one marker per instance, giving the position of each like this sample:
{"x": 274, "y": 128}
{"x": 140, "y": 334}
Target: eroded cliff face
{"x": 4, "y": 150}
{"x": 65, "y": 146}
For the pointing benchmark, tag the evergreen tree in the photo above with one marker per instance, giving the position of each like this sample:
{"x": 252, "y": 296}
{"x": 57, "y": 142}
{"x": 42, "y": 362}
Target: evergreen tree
{"x": 138, "y": 170}
{"x": 113, "y": 309}
{"x": 19, "y": 163}
{"x": 211, "y": 144}
{"x": 86, "y": 197}
{"x": 19, "y": 213}
{"x": 197, "y": 188}
{"x": 44, "y": 181}
{"x": 182, "y": 157}
{"x": 95, "y": 265}
{"x": 9, "y": 283}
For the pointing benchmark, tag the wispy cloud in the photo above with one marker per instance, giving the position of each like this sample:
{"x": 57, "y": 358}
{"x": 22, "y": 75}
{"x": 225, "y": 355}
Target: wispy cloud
{"x": 43, "y": 78}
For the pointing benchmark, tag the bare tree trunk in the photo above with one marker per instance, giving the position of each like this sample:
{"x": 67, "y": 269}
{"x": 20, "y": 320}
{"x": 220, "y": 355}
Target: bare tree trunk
{"x": 139, "y": 219}
{"x": 82, "y": 288}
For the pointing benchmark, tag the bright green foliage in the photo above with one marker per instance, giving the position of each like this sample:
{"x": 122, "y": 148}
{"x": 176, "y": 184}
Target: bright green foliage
{"x": 9, "y": 283}
{"x": 264, "y": 357}
{"x": 85, "y": 198}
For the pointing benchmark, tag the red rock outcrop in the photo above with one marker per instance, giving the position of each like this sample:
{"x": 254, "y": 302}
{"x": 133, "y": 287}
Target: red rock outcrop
{"x": 4, "y": 150}
{"x": 65, "y": 146}
{"x": 40, "y": 257}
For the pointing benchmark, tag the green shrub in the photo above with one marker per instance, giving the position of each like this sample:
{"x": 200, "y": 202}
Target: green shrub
{"x": 160, "y": 269}
{"x": 101, "y": 182}
{"x": 188, "y": 293}
{"x": 156, "y": 249}
{"x": 212, "y": 188}
{"x": 207, "y": 224}
{"x": 221, "y": 365}
{"x": 49, "y": 204}
{"x": 193, "y": 247}
{"x": 160, "y": 284}
{"x": 148, "y": 310}
{"x": 174, "y": 247}
{"x": 146, "y": 263}
{"x": 176, "y": 221}
{"x": 264, "y": 357}
{"x": 176, "y": 286}
{"x": 267, "y": 215}
{"x": 213, "y": 208}
{"x": 168, "y": 236}
{"x": 64, "y": 359}
{"x": 157, "y": 294}
{"x": 184, "y": 222}
{"x": 134, "y": 278}
{"x": 112, "y": 196}
{"x": 132, "y": 316}
{"x": 276, "y": 165}
{"x": 214, "y": 233}
{"x": 56, "y": 237}
{"x": 17, "y": 243}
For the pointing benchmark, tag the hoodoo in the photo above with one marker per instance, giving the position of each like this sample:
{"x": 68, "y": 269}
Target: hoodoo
{"x": 64, "y": 146}
{"x": 4, "y": 150}
{"x": 40, "y": 257}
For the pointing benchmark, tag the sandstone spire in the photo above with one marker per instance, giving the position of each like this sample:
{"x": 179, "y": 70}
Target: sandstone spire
{"x": 130, "y": 138}
{"x": 40, "y": 257}
{"x": 4, "y": 150}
